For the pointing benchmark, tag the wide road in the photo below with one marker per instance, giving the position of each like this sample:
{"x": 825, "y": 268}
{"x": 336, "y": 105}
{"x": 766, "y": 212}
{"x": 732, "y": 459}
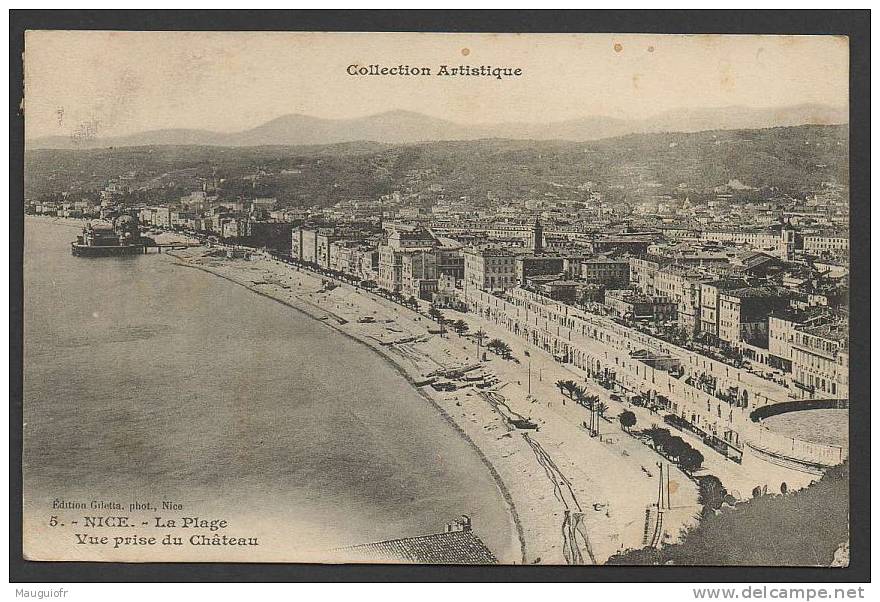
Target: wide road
{"x": 575, "y": 539}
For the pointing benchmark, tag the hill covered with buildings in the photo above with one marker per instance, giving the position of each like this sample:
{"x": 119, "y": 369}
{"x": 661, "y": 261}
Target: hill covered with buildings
{"x": 747, "y": 165}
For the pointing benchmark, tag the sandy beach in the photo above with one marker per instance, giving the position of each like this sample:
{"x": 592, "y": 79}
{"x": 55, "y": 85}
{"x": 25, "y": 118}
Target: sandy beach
{"x": 572, "y": 498}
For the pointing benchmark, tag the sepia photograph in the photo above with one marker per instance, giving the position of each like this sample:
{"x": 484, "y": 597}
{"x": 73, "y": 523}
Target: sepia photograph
{"x": 436, "y": 298}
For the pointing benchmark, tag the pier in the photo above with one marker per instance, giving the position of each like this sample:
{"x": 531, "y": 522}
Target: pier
{"x": 176, "y": 246}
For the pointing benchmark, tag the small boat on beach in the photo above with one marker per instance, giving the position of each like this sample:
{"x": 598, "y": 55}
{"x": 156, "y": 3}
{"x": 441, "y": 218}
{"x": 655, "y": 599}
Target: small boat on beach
{"x": 524, "y": 424}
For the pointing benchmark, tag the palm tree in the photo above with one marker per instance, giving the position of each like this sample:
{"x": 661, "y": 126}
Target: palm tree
{"x": 480, "y": 335}
{"x": 565, "y": 387}
{"x": 460, "y": 326}
{"x": 562, "y": 386}
{"x": 601, "y": 408}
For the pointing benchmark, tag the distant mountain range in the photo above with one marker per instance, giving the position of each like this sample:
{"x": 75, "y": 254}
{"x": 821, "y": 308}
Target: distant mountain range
{"x": 397, "y": 127}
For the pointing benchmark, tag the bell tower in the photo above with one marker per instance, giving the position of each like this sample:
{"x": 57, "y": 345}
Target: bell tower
{"x": 537, "y": 237}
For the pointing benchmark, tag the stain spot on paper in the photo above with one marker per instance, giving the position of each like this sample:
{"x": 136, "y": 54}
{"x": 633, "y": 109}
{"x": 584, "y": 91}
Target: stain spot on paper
{"x": 618, "y": 47}
{"x": 465, "y": 51}
{"x": 728, "y": 82}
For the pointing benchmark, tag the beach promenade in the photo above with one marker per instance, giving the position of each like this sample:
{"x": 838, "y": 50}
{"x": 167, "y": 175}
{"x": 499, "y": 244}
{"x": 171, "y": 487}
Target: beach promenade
{"x": 573, "y": 498}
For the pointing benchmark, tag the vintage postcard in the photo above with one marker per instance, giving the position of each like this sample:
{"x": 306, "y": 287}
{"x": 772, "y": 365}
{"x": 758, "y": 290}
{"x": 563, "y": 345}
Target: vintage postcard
{"x": 562, "y": 299}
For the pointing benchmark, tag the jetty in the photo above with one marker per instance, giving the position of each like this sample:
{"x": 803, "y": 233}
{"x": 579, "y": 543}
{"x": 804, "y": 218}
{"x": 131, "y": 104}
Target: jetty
{"x": 172, "y": 246}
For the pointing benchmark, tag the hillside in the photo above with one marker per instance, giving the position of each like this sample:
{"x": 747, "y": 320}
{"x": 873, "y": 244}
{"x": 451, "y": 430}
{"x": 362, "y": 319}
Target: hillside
{"x": 406, "y": 127}
{"x": 804, "y": 528}
{"x": 793, "y": 161}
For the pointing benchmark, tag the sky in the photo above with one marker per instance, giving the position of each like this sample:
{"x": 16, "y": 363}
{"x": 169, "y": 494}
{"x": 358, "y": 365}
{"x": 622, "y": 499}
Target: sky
{"x": 117, "y": 83}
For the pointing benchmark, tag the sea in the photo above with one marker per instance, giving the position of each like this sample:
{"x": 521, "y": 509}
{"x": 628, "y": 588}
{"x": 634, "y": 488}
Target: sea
{"x": 148, "y": 381}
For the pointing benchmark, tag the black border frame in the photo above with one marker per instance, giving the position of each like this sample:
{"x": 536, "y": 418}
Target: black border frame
{"x": 852, "y": 23}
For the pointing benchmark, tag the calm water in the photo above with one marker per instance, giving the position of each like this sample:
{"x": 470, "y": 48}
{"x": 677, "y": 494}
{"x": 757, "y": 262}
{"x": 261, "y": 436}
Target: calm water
{"x": 147, "y": 380}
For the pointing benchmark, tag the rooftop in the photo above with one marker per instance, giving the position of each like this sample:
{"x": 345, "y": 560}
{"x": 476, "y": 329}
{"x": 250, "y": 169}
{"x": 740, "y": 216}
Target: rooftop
{"x": 684, "y": 270}
{"x": 491, "y": 252}
{"x": 756, "y": 292}
{"x": 605, "y": 260}
{"x": 561, "y": 282}
{"x": 419, "y": 234}
{"x": 832, "y": 331}
{"x": 730, "y": 284}
{"x": 543, "y": 278}
{"x": 452, "y": 547}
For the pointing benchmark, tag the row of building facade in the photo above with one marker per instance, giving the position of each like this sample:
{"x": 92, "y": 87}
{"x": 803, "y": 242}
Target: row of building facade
{"x": 741, "y": 311}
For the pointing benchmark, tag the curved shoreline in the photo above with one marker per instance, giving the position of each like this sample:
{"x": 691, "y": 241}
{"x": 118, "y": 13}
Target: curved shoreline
{"x": 407, "y": 341}
{"x": 393, "y": 362}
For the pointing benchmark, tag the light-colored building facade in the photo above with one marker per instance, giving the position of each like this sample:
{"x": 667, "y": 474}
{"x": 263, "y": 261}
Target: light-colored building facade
{"x": 820, "y": 361}
{"x": 312, "y": 244}
{"x": 632, "y": 305}
{"x": 489, "y": 269}
{"x": 780, "y": 240}
{"x": 682, "y": 285}
{"x": 816, "y": 357}
{"x": 654, "y": 275}
{"x": 643, "y": 272}
{"x": 611, "y": 273}
{"x": 736, "y": 314}
{"x": 418, "y": 273}
{"x": 821, "y": 243}
{"x": 402, "y": 241}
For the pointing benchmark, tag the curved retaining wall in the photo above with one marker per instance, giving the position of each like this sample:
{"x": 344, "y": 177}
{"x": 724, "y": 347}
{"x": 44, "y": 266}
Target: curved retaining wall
{"x": 791, "y": 451}
{"x": 795, "y": 406}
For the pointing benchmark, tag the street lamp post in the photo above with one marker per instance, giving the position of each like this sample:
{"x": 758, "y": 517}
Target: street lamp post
{"x": 530, "y": 378}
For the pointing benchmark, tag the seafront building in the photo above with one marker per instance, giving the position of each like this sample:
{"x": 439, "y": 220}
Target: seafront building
{"x": 812, "y": 348}
{"x": 604, "y": 271}
{"x": 406, "y": 243}
{"x": 632, "y": 305}
{"x": 491, "y": 269}
{"x": 732, "y": 312}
